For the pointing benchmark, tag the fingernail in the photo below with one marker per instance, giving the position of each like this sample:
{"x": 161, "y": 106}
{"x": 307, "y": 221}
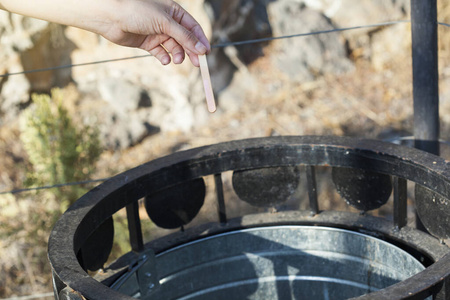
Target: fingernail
{"x": 165, "y": 60}
{"x": 178, "y": 58}
{"x": 200, "y": 48}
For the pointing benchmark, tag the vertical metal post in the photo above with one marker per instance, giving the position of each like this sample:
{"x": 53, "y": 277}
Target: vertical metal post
{"x": 425, "y": 74}
{"x": 220, "y": 199}
{"x": 134, "y": 227}
{"x": 400, "y": 206}
{"x": 425, "y": 78}
{"x": 312, "y": 189}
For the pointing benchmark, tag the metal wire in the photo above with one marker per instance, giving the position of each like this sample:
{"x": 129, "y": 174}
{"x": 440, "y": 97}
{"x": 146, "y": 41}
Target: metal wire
{"x": 74, "y": 65}
{"x": 59, "y": 185}
{"x": 36, "y": 296}
{"x": 308, "y": 33}
{"x": 444, "y": 24}
{"x": 221, "y": 45}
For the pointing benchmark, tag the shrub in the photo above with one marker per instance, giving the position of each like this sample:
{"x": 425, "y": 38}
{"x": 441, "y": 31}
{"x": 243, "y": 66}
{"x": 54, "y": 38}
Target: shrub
{"x": 59, "y": 151}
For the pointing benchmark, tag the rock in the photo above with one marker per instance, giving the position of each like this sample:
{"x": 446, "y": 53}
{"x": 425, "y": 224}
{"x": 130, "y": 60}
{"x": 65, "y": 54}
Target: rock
{"x": 18, "y": 31}
{"x": 305, "y": 58}
{"x": 221, "y": 69}
{"x": 237, "y": 20}
{"x": 243, "y": 85}
{"x": 384, "y": 53}
{"x": 233, "y": 21}
{"x": 123, "y": 95}
{"x": 14, "y": 96}
{"x": 124, "y": 117}
{"x": 121, "y": 131}
{"x": 50, "y": 48}
{"x": 172, "y": 110}
{"x": 348, "y": 13}
{"x": 39, "y": 44}
{"x": 16, "y": 36}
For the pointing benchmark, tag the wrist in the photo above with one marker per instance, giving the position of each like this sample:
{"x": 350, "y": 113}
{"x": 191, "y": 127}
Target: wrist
{"x": 96, "y": 16}
{"x": 104, "y": 16}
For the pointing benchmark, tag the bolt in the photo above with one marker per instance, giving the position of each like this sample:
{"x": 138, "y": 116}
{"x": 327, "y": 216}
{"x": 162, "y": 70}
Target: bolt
{"x": 148, "y": 274}
{"x": 150, "y": 286}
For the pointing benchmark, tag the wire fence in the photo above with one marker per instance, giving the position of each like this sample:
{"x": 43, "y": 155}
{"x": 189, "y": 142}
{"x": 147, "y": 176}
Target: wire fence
{"x": 221, "y": 45}
{"x": 31, "y": 297}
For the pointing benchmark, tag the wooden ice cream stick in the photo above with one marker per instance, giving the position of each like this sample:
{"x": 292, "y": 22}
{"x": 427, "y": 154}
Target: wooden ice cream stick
{"x": 211, "y": 103}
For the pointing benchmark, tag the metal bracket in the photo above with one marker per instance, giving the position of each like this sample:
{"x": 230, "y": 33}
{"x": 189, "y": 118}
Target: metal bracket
{"x": 141, "y": 279}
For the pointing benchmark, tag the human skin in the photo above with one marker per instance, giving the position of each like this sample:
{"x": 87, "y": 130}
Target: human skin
{"x": 161, "y": 27}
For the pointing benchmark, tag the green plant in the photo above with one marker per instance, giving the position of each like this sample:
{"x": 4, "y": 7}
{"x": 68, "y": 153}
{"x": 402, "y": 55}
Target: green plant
{"x": 59, "y": 151}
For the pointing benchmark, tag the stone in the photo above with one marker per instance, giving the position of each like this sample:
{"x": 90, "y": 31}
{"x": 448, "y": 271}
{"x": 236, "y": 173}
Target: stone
{"x": 350, "y": 13}
{"x": 123, "y": 95}
{"x": 384, "y": 52}
{"x": 234, "y": 21}
{"x": 172, "y": 111}
{"x": 121, "y": 131}
{"x": 305, "y": 58}
{"x": 14, "y": 96}
{"x": 51, "y": 48}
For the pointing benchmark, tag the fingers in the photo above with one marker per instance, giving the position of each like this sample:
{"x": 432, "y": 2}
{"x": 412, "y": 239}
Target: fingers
{"x": 169, "y": 47}
{"x": 177, "y": 33}
{"x": 178, "y": 50}
{"x": 194, "y": 59}
{"x": 175, "y": 49}
{"x": 161, "y": 54}
{"x": 186, "y": 38}
{"x": 187, "y": 32}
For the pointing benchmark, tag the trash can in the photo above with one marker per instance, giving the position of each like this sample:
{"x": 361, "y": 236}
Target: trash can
{"x": 275, "y": 254}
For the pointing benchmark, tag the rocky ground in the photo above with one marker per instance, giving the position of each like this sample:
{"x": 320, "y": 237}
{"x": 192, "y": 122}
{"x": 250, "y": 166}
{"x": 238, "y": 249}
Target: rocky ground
{"x": 355, "y": 83}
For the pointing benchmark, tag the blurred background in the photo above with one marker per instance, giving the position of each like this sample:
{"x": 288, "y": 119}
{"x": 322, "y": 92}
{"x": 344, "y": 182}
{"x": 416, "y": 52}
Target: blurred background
{"x": 97, "y": 119}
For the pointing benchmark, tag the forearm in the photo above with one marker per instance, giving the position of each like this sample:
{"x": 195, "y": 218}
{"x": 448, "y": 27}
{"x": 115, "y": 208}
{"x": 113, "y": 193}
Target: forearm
{"x": 157, "y": 26}
{"x": 92, "y": 15}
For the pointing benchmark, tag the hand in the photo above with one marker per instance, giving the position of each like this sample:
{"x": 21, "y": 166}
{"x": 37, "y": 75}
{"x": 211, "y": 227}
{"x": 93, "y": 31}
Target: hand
{"x": 159, "y": 27}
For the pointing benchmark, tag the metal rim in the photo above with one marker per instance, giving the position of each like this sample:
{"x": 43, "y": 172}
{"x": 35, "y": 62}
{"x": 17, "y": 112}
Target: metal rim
{"x": 287, "y": 239}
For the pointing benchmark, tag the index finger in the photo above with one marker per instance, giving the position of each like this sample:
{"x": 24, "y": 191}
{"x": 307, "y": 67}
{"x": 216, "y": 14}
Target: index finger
{"x": 183, "y": 18}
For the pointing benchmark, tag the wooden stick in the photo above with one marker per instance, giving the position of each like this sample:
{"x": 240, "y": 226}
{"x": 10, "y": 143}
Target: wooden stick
{"x": 210, "y": 102}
